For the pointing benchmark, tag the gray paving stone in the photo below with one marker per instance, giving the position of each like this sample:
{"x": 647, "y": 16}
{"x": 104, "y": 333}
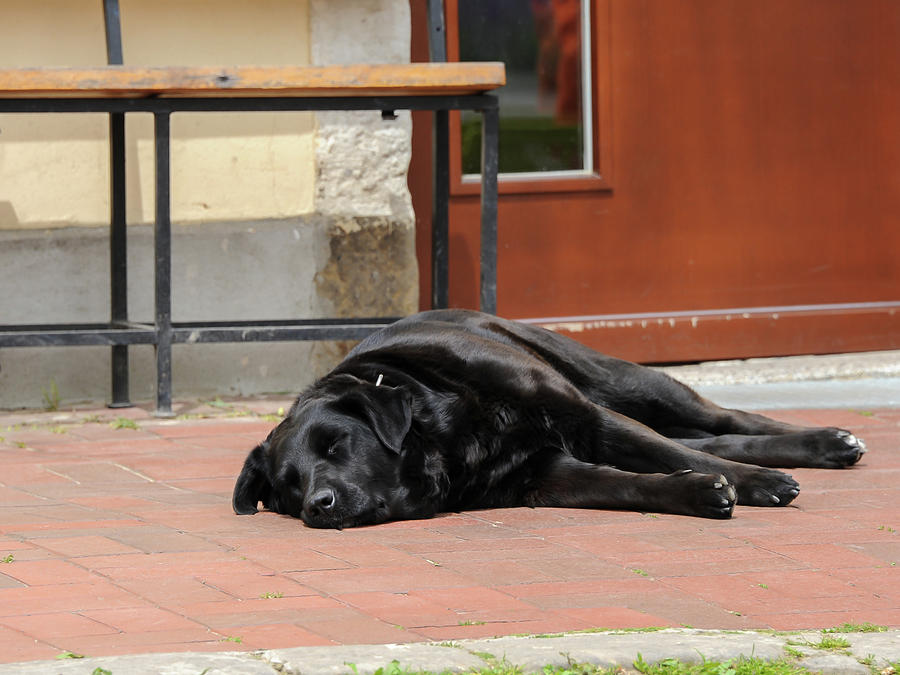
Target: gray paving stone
{"x": 222, "y": 663}
{"x": 366, "y": 659}
{"x": 834, "y": 664}
{"x": 882, "y": 648}
{"x": 623, "y": 649}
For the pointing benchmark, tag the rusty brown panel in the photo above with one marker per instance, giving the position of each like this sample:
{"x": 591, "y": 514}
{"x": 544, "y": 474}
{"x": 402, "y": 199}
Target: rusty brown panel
{"x": 419, "y": 181}
{"x": 756, "y": 150}
{"x": 420, "y": 165}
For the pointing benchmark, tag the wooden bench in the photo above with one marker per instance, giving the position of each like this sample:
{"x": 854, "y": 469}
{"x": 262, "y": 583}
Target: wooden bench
{"x": 117, "y": 90}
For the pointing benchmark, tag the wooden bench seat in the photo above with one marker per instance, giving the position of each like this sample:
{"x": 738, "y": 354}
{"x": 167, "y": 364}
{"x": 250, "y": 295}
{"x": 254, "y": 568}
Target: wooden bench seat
{"x": 406, "y": 79}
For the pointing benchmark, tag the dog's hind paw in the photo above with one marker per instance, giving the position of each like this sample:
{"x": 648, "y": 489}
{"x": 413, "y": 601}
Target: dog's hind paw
{"x": 845, "y": 450}
{"x": 830, "y": 448}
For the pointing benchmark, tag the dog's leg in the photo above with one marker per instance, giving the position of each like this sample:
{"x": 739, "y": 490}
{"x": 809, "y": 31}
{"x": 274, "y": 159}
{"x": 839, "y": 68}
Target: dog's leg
{"x": 816, "y": 448}
{"x": 673, "y": 408}
{"x": 628, "y": 445}
{"x": 678, "y": 412}
{"x": 568, "y": 482}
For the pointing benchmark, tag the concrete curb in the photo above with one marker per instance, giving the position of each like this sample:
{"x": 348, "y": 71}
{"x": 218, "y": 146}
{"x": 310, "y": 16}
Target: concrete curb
{"x": 808, "y": 368}
{"x": 868, "y": 653}
{"x": 848, "y": 381}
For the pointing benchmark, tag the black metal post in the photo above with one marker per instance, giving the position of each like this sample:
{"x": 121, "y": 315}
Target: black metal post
{"x": 490, "y": 142}
{"x": 440, "y": 175}
{"x": 440, "y": 211}
{"x": 163, "y": 267}
{"x": 118, "y": 242}
{"x": 113, "y": 32}
{"x": 437, "y": 38}
{"x": 118, "y": 258}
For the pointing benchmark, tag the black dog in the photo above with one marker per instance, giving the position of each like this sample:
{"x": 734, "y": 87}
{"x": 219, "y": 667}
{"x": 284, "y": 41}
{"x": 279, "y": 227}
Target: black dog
{"x": 456, "y": 410}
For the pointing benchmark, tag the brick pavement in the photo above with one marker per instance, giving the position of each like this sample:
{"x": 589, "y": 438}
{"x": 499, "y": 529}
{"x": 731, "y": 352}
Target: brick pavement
{"x": 122, "y": 540}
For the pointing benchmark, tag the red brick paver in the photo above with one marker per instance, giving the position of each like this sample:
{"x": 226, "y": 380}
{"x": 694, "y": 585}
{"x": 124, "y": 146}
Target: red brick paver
{"x": 122, "y": 540}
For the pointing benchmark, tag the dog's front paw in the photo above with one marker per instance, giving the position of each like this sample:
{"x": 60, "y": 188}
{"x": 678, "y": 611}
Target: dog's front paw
{"x": 702, "y": 494}
{"x": 766, "y": 487}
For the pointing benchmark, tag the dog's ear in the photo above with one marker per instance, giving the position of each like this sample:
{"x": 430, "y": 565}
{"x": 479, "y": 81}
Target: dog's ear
{"x": 389, "y": 413}
{"x": 253, "y": 485}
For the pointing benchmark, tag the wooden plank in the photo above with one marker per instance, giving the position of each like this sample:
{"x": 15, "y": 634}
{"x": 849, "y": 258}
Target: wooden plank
{"x": 407, "y": 79}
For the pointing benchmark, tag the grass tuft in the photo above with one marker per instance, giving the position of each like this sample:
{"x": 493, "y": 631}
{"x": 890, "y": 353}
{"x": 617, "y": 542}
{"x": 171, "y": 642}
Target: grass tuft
{"x": 856, "y": 628}
{"x": 740, "y": 666}
{"x": 51, "y": 397}
{"x": 269, "y": 595}
{"x": 69, "y": 655}
{"x": 124, "y": 423}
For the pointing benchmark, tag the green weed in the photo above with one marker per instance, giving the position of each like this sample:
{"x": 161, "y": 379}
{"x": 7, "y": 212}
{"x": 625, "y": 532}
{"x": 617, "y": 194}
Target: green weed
{"x": 393, "y": 668}
{"x": 124, "y": 423}
{"x": 588, "y": 631}
{"x": 51, "y": 396}
{"x": 831, "y": 644}
{"x": 741, "y": 666}
{"x": 857, "y": 628}
{"x": 69, "y": 655}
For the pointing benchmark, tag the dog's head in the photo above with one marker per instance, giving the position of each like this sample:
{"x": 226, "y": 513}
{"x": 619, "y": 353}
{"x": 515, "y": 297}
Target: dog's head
{"x": 335, "y": 460}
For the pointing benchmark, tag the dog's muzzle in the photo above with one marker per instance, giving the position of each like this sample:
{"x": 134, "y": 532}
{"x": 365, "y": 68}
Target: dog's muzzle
{"x": 321, "y": 504}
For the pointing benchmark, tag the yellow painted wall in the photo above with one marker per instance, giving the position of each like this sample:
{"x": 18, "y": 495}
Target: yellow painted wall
{"x": 226, "y": 166}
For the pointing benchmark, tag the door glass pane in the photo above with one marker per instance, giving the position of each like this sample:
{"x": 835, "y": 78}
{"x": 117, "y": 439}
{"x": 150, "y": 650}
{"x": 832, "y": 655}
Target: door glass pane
{"x": 542, "y": 106}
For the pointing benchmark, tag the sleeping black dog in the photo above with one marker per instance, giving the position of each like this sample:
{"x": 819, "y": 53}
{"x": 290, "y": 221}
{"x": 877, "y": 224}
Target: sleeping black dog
{"x": 455, "y": 410}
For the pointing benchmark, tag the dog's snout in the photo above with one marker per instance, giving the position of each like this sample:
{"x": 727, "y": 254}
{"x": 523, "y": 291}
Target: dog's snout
{"x": 322, "y": 500}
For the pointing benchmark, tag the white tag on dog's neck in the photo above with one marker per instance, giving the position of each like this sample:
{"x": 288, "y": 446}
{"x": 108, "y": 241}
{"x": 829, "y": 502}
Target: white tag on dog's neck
{"x": 380, "y": 378}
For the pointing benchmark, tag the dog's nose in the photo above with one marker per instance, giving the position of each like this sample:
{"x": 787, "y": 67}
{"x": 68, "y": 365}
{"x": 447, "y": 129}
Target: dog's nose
{"x": 322, "y": 500}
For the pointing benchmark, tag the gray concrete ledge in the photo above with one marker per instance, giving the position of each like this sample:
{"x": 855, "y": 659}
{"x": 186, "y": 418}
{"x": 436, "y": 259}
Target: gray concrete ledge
{"x": 855, "y": 381}
{"x": 868, "y": 652}
{"x": 789, "y": 369}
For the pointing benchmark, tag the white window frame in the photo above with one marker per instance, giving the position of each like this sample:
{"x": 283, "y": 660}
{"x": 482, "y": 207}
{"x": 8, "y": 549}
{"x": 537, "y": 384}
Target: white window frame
{"x": 587, "y": 116}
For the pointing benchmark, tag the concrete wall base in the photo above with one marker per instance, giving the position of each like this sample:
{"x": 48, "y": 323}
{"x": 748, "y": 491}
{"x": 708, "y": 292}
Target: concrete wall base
{"x": 305, "y": 267}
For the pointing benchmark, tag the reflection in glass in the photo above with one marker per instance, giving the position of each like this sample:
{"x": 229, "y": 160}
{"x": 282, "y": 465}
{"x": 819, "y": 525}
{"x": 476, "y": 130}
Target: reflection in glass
{"x": 542, "y": 106}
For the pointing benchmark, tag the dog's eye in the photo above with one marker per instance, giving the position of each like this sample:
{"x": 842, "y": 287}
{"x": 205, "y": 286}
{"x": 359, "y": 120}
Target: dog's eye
{"x": 332, "y": 450}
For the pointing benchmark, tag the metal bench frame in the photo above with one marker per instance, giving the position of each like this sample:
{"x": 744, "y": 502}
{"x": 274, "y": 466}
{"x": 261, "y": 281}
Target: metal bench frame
{"x": 119, "y": 333}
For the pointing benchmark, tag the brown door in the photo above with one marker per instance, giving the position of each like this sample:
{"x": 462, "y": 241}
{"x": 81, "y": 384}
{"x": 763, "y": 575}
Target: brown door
{"x": 743, "y": 193}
